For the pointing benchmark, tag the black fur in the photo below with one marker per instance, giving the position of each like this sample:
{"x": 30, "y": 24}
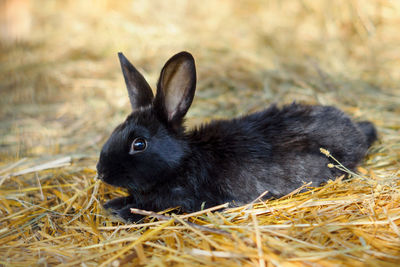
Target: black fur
{"x": 226, "y": 160}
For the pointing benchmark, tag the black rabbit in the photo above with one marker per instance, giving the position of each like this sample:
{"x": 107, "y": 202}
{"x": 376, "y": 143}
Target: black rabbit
{"x": 164, "y": 166}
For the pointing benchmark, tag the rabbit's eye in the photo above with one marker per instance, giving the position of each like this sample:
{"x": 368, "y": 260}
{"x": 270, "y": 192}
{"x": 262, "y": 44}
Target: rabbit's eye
{"x": 138, "y": 145}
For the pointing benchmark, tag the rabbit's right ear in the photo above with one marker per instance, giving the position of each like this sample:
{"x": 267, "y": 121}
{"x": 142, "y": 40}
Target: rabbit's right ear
{"x": 139, "y": 90}
{"x": 175, "y": 88}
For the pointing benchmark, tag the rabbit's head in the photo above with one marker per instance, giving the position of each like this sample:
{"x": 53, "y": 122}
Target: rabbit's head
{"x": 149, "y": 145}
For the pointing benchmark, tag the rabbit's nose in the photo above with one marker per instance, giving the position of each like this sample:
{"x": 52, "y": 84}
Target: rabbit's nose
{"x": 99, "y": 175}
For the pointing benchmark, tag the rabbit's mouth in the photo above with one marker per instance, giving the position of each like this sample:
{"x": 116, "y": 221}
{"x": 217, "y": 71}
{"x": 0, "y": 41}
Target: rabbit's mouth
{"x": 107, "y": 179}
{"x": 133, "y": 187}
{"x": 99, "y": 176}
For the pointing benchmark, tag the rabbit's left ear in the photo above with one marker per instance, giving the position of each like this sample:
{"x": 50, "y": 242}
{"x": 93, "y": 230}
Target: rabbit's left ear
{"x": 139, "y": 90}
{"x": 176, "y": 87}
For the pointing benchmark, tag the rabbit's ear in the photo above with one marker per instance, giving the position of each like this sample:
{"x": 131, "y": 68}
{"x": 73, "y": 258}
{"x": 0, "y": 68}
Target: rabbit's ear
{"x": 139, "y": 91}
{"x": 176, "y": 87}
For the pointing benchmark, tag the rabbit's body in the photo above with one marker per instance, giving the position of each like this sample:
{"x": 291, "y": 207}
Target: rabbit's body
{"x": 275, "y": 150}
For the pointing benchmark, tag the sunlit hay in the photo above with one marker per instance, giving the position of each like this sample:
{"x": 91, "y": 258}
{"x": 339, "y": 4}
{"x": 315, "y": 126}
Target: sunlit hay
{"x": 55, "y": 216}
{"x": 62, "y": 93}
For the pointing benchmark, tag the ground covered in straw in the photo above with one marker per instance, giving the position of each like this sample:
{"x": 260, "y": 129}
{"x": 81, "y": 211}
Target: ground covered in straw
{"x": 61, "y": 94}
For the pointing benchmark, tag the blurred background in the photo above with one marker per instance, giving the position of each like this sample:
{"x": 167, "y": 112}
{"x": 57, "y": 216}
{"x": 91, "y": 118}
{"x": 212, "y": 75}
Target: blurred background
{"x": 62, "y": 91}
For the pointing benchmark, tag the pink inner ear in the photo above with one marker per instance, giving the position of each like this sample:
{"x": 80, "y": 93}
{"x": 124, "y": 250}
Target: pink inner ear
{"x": 177, "y": 82}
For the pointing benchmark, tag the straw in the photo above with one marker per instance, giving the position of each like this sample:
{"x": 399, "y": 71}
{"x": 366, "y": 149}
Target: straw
{"x": 62, "y": 93}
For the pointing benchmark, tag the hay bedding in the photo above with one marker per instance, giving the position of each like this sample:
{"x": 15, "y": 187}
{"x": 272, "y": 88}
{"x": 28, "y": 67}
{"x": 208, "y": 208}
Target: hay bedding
{"x": 52, "y": 221}
{"x": 58, "y": 106}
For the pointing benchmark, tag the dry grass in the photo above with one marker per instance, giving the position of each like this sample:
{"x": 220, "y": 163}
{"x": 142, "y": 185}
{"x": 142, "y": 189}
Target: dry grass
{"x": 61, "y": 93}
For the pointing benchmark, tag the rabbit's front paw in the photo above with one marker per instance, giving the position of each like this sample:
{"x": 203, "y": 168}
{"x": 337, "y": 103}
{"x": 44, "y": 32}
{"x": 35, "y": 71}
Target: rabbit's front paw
{"x": 118, "y": 203}
{"x": 127, "y": 216}
{"x": 121, "y": 208}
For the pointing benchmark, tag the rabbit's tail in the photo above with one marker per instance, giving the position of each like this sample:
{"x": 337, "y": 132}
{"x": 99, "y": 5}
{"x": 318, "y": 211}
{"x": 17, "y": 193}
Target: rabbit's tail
{"x": 369, "y": 130}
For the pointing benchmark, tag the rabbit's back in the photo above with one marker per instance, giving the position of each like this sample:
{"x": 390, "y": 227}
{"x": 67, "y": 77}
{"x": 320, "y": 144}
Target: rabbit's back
{"x": 277, "y": 149}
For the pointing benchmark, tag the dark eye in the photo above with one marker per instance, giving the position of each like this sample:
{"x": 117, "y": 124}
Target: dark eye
{"x": 138, "y": 145}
